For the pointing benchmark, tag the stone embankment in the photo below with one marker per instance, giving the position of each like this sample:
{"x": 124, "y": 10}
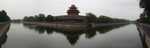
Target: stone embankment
{"x": 3, "y": 28}
{"x": 144, "y": 32}
{"x": 72, "y": 26}
{"x": 65, "y": 26}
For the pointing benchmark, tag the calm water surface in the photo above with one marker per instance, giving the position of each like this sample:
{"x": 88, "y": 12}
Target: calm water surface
{"x": 21, "y": 36}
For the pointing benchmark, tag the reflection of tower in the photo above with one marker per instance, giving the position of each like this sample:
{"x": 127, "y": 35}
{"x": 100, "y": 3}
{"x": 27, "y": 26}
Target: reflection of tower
{"x": 72, "y": 38}
{"x": 73, "y": 11}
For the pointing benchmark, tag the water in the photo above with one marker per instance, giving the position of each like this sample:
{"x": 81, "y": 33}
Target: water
{"x": 30, "y": 36}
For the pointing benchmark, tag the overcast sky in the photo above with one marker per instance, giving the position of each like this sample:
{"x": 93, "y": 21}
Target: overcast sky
{"x": 17, "y": 9}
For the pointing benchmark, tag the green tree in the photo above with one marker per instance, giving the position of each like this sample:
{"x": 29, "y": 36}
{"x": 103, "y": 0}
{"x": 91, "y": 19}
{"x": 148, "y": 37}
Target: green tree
{"x": 25, "y": 18}
{"x": 4, "y": 16}
{"x": 49, "y": 18}
{"x": 41, "y": 17}
{"x": 91, "y": 17}
{"x": 104, "y": 19}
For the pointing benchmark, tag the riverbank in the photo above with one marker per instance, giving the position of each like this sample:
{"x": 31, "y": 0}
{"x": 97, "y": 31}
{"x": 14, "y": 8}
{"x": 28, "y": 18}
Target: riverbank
{"x": 58, "y": 25}
{"x": 3, "y": 29}
{"x": 109, "y": 24}
{"x": 144, "y": 32}
{"x": 63, "y": 25}
{"x": 5, "y": 22}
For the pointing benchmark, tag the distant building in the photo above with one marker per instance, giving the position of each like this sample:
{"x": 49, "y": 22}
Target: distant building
{"x": 72, "y": 16}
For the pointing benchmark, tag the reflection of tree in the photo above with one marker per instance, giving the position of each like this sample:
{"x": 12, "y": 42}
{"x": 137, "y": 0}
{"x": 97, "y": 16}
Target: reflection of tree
{"x": 3, "y": 31}
{"x": 73, "y": 35}
{"x": 49, "y": 30}
{"x": 105, "y": 29}
{"x": 39, "y": 29}
{"x": 30, "y": 26}
{"x": 3, "y": 39}
{"x": 90, "y": 33}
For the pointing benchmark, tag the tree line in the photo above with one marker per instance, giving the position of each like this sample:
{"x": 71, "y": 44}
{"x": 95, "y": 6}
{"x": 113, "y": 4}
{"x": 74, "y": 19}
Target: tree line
{"x": 3, "y": 16}
{"x": 144, "y": 19}
{"x": 90, "y": 17}
{"x": 145, "y": 16}
{"x": 39, "y": 18}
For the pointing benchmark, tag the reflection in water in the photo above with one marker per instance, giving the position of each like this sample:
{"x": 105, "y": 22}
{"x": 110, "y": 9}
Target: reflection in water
{"x": 73, "y": 36}
{"x": 105, "y": 29}
{"x": 90, "y": 33}
{"x": 3, "y": 33}
{"x": 144, "y": 35}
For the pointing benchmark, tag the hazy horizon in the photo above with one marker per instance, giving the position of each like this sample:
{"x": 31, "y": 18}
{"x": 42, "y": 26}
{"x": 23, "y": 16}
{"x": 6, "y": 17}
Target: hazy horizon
{"x": 126, "y": 9}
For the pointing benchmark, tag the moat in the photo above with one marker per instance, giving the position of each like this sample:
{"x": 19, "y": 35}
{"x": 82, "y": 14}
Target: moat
{"x": 28, "y": 36}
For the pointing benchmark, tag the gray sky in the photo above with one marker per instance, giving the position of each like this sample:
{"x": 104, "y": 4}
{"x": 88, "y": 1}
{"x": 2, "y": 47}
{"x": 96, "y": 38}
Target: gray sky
{"x": 128, "y": 9}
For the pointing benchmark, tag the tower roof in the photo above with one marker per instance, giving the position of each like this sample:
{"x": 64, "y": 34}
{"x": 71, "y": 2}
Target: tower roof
{"x": 73, "y": 7}
{"x": 73, "y": 11}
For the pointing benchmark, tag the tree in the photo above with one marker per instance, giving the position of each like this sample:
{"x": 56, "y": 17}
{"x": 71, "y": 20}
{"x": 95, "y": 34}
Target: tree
{"x": 91, "y": 17}
{"x": 4, "y": 16}
{"x": 25, "y": 18}
{"x": 104, "y": 19}
{"x": 41, "y": 17}
{"x": 49, "y": 18}
{"x": 3, "y": 13}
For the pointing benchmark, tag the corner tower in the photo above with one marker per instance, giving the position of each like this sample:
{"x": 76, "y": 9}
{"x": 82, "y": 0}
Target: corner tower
{"x": 73, "y": 11}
